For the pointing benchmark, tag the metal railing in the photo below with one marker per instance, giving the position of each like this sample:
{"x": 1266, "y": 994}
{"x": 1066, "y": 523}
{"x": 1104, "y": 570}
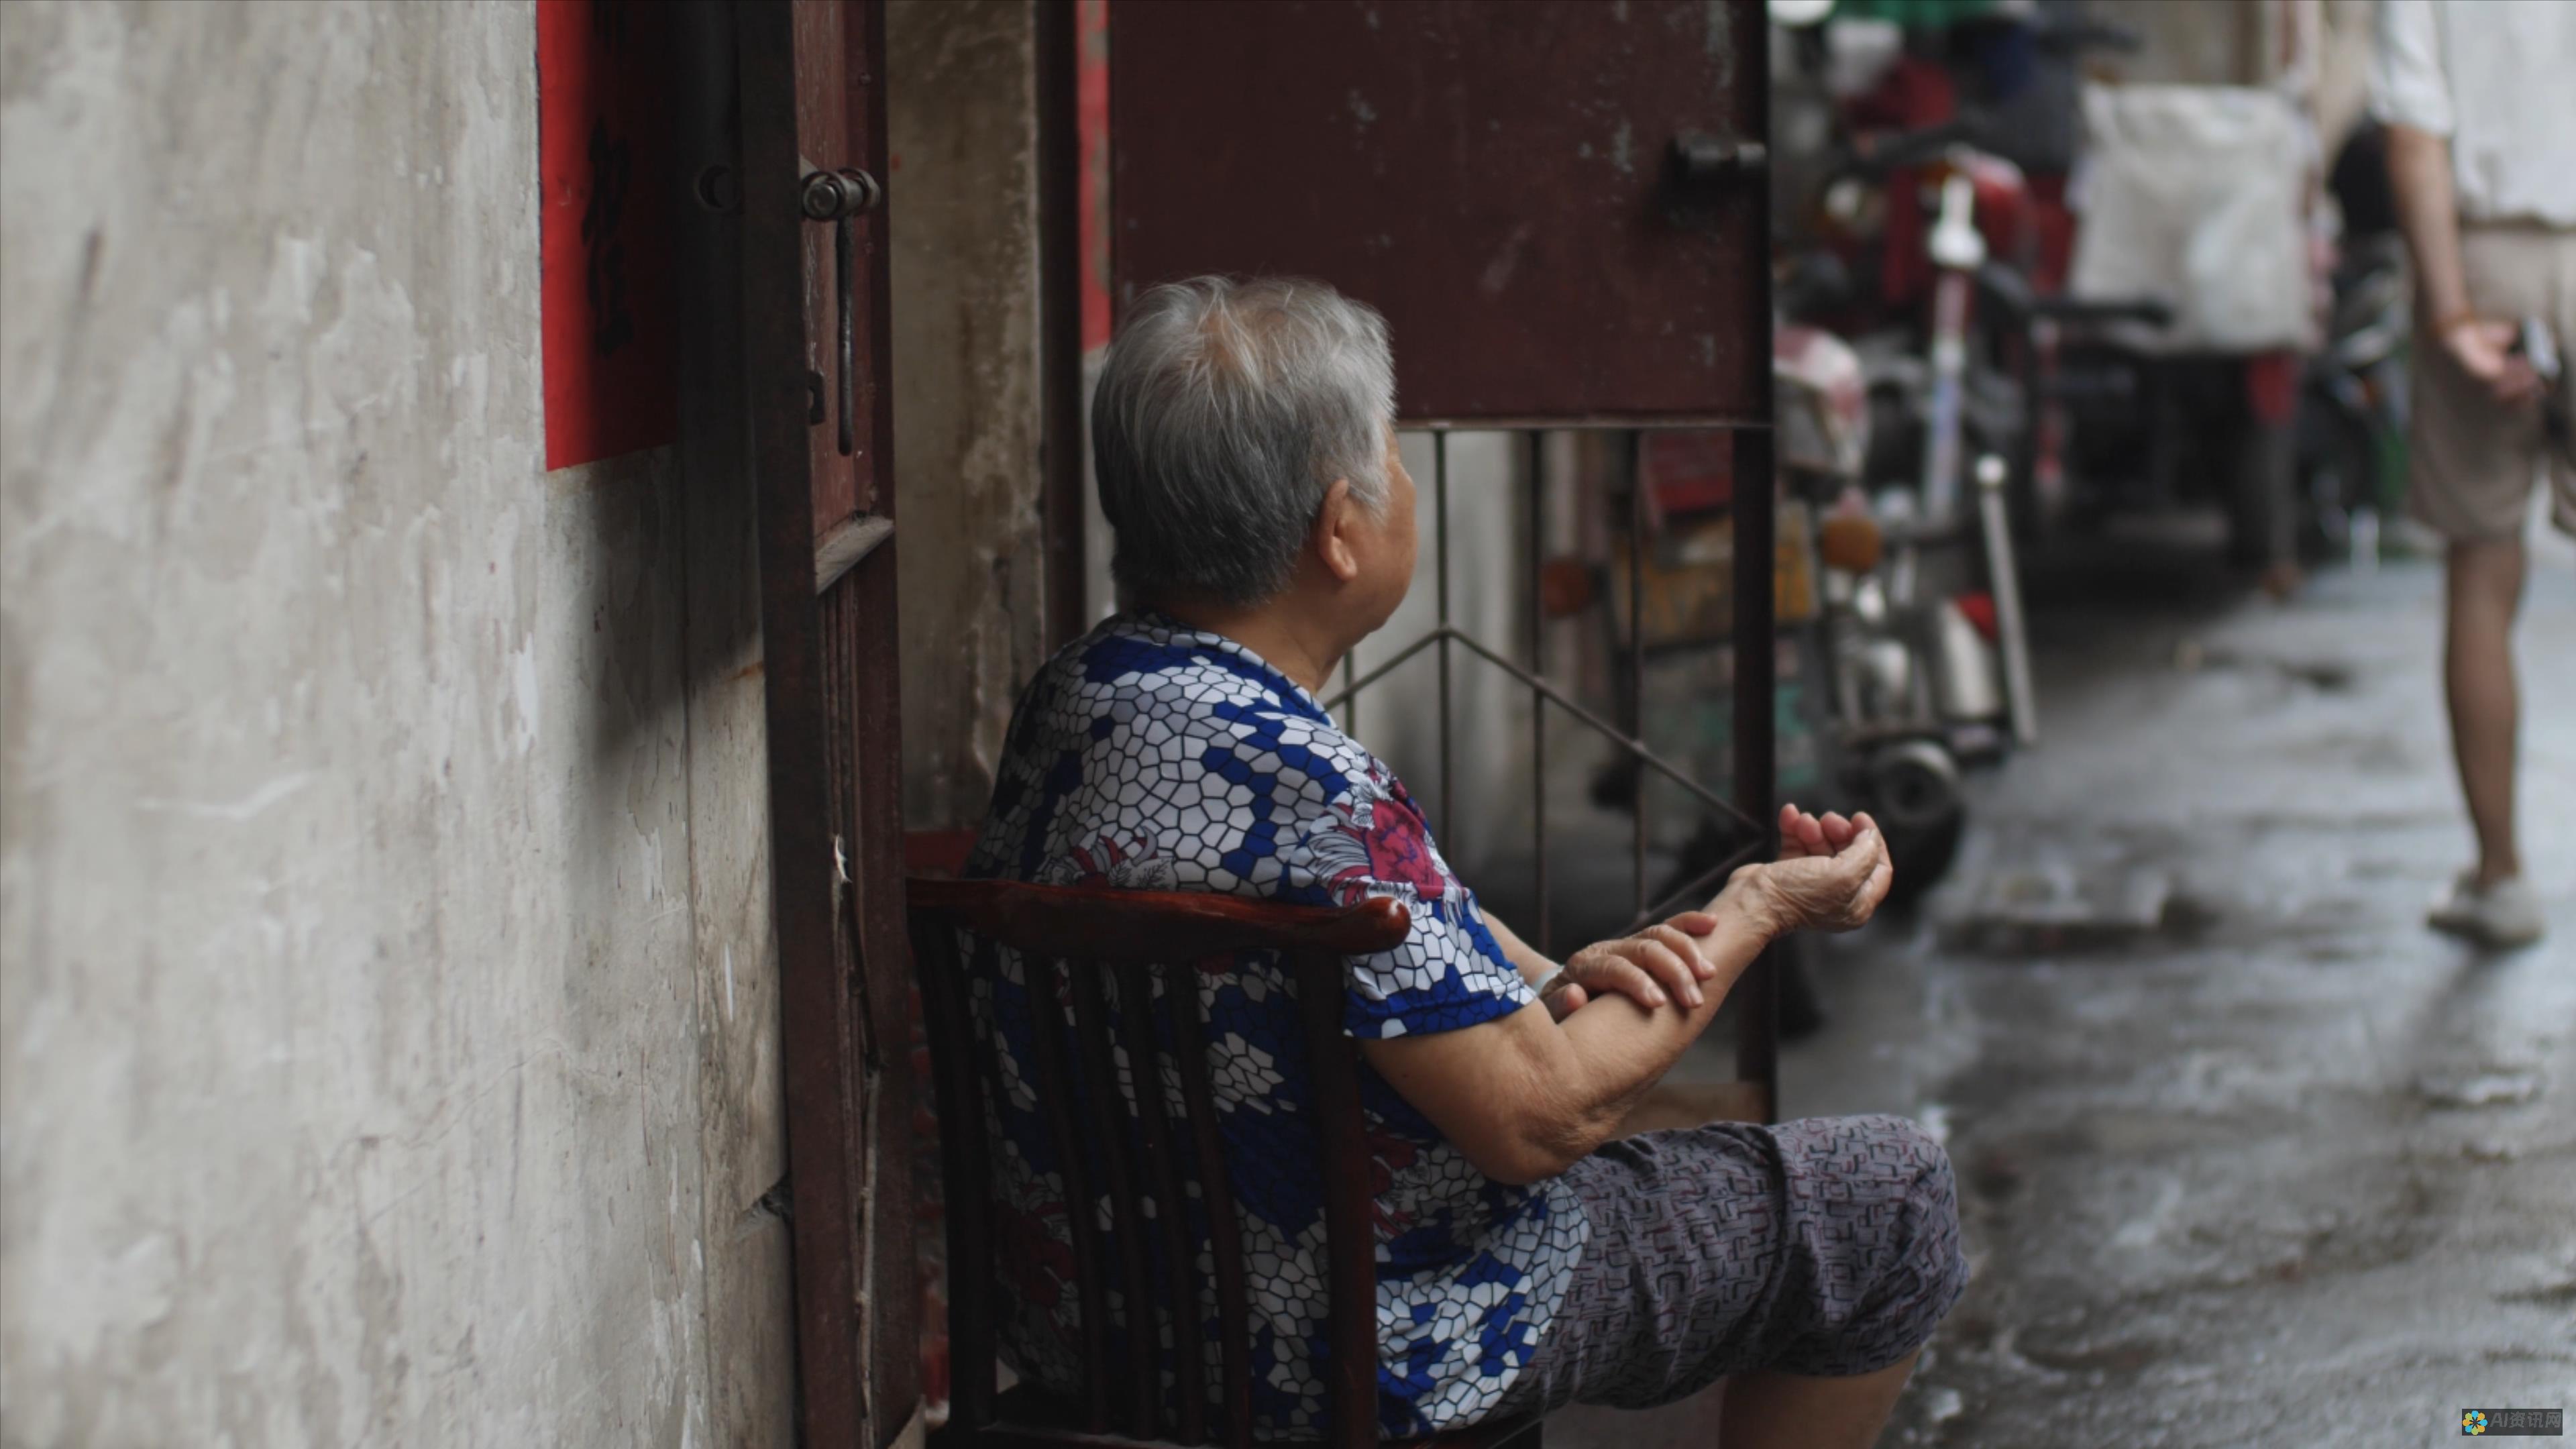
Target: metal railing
{"x": 1446, "y": 637}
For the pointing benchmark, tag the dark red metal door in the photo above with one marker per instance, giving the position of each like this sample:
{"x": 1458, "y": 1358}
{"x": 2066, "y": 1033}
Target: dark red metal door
{"x": 815, "y": 347}
{"x": 1499, "y": 178}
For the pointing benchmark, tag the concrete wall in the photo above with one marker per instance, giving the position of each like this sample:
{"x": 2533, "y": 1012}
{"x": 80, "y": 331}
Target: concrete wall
{"x": 387, "y": 1015}
{"x": 962, "y": 121}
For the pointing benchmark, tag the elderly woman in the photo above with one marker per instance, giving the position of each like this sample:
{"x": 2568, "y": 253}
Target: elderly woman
{"x": 1246, "y": 455}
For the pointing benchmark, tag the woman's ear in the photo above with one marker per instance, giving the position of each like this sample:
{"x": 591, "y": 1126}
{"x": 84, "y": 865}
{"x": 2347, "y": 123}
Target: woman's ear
{"x": 1334, "y": 523}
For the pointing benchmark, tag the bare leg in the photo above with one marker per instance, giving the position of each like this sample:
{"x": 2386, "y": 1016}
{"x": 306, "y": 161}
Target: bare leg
{"x": 2485, "y": 591}
{"x": 1765, "y": 1409}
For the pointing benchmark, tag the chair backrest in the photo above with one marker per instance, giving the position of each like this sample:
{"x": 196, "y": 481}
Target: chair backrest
{"x": 1070, "y": 939}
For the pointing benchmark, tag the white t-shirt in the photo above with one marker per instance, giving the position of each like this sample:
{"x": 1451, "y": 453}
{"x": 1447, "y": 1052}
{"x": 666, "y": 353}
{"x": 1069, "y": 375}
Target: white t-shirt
{"x": 2499, "y": 78}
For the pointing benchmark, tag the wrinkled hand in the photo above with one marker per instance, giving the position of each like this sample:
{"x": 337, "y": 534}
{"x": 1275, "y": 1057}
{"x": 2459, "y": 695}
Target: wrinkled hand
{"x": 1651, "y": 968}
{"x": 2484, "y": 350}
{"x": 1830, "y": 876}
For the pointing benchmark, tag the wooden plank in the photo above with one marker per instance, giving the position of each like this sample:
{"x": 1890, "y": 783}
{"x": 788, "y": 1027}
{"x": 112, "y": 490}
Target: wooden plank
{"x": 1107, "y": 1142}
{"x": 807, "y": 84}
{"x": 1171, "y": 1212}
{"x": 1350, "y": 1234}
{"x": 847, "y": 542}
{"x": 817, "y": 1050}
{"x": 1216, "y": 1197}
{"x": 1054, "y": 1090}
{"x": 957, "y": 1052}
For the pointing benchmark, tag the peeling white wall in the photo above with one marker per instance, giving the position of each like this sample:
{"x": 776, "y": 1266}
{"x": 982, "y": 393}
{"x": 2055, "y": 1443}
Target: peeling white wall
{"x": 383, "y": 1058}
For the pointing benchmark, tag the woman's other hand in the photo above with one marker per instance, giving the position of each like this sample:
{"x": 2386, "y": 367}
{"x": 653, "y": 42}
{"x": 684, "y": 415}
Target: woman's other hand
{"x": 1830, "y": 876}
{"x": 1653, "y": 968}
{"x": 2484, "y": 349}
{"x": 1803, "y": 835}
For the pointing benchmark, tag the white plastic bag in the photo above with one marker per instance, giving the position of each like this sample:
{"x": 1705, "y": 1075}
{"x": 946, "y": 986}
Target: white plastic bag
{"x": 2192, "y": 194}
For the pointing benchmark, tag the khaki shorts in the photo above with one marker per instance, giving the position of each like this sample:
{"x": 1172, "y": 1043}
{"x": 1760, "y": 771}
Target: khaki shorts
{"x": 2473, "y": 461}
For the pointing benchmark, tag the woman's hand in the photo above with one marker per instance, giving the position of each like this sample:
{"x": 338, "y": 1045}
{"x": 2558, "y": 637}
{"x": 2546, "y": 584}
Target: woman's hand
{"x": 1652, "y": 968}
{"x": 2483, "y": 348}
{"x": 1830, "y": 876}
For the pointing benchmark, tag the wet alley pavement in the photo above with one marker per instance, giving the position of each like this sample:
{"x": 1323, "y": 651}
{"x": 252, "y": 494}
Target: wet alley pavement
{"x": 2271, "y": 1162}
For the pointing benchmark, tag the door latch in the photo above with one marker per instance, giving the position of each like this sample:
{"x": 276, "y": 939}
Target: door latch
{"x": 838, "y": 197}
{"x": 1701, "y": 171}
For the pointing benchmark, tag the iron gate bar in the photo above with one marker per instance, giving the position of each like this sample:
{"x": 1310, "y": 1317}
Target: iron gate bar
{"x": 1350, "y": 688}
{"x": 1538, "y": 668}
{"x": 1350, "y": 715}
{"x": 1559, "y": 698}
{"x": 1440, "y": 491}
{"x": 1757, "y": 1030}
{"x": 1648, "y": 915}
{"x": 1752, "y": 683}
{"x": 1636, "y": 660}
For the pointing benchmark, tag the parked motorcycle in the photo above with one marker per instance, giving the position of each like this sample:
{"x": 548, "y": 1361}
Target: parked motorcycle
{"x": 1910, "y": 678}
{"x": 1899, "y": 685}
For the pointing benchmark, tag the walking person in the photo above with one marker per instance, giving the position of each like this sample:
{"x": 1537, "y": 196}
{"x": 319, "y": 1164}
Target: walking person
{"x": 2482, "y": 159}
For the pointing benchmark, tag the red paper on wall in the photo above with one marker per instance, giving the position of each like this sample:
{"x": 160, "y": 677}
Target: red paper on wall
{"x": 610, "y": 337}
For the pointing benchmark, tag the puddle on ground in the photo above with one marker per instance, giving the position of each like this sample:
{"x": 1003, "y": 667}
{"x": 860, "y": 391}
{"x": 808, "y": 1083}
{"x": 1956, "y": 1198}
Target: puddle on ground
{"x": 2546, "y": 1294}
{"x": 2327, "y": 676}
{"x": 2103, "y": 1358}
{"x": 2507, "y": 1088}
{"x": 2053, "y": 907}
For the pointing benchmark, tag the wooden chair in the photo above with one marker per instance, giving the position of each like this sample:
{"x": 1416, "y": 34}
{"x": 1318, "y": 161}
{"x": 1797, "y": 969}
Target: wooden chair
{"x": 1079, "y": 937}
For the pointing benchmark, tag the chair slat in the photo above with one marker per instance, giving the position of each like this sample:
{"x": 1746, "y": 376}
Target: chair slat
{"x": 965, "y": 1165}
{"x": 1109, "y": 1139}
{"x": 1180, "y": 1280}
{"x": 1104, "y": 923}
{"x": 1083, "y": 1114}
{"x": 1216, "y": 1199}
{"x": 1350, "y": 1234}
{"x": 1055, "y": 1095}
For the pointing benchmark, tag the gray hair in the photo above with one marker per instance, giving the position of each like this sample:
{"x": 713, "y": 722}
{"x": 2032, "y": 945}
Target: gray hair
{"x": 1225, "y": 410}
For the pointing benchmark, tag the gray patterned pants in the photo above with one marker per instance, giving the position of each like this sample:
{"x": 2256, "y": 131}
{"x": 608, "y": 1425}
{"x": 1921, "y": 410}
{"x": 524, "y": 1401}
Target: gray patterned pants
{"x": 1826, "y": 1246}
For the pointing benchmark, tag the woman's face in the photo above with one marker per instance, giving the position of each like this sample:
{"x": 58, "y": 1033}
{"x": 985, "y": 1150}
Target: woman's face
{"x": 1391, "y": 543}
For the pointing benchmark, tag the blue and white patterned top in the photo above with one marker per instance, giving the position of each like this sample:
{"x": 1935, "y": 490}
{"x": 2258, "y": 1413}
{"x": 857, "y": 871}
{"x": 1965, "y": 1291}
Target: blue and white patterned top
{"x": 1152, "y": 756}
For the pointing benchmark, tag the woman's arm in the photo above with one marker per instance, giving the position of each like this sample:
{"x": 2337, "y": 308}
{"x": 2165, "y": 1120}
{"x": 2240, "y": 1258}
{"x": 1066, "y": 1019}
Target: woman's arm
{"x": 1652, "y": 967}
{"x": 2419, "y": 172}
{"x": 1534, "y": 968}
{"x": 1525, "y": 1096}
{"x": 1659, "y": 964}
